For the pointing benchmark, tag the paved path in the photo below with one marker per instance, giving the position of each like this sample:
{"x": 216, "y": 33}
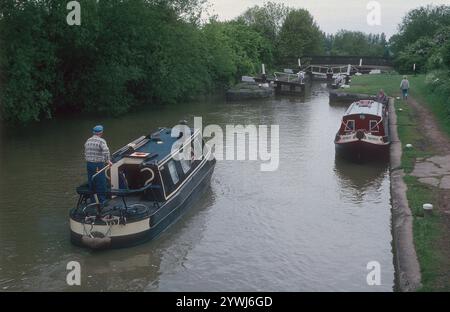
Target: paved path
{"x": 434, "y": 171}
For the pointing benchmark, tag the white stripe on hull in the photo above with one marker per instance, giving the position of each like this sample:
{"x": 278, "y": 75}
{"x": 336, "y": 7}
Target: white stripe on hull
{"x": 116, "y": 229}
{"x": 368, "y": 138}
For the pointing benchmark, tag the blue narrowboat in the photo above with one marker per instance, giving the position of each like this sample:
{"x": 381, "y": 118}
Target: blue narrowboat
{"x": 151, "y": 186}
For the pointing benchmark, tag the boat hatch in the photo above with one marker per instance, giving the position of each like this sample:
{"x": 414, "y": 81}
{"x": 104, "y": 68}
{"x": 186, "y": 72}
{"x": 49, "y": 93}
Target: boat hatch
{"x": 132, "y": 173}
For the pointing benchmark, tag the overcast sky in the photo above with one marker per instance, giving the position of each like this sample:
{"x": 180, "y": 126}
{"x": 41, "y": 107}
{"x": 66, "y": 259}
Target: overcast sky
{"x": 332, "y": 15}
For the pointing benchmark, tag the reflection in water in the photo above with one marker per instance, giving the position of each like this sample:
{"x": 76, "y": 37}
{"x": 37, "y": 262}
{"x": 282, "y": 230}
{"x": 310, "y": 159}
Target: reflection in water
{"x": 140, "y": 267}
{"x": 359, "y": 179}
{"x": 313, "y": 224}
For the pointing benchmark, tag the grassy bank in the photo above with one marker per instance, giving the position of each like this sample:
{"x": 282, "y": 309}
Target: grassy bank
{"x": 425, "y": 230}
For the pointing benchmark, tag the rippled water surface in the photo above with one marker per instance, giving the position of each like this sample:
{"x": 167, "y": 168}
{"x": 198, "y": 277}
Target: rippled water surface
{"x": 311, "y": 225}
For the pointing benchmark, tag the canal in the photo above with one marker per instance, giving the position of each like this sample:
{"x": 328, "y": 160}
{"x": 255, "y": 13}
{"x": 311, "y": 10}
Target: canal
{"x": 312, "y": 225}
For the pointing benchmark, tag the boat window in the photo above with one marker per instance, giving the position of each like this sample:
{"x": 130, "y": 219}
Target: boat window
{"x": 350, "y": 125}
{"x": 173, "y": 172}
{"x": 374, "y": 126}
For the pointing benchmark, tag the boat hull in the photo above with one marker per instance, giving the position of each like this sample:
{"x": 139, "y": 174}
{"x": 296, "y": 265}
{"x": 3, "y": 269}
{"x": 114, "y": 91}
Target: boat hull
{"x": 148, "y": 227}
{"x": 359, "y": 150}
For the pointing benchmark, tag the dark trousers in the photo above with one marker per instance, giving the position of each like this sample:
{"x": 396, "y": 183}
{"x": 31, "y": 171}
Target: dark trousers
{"x": 405, "y": 93}
{"x": 98, "y": 184}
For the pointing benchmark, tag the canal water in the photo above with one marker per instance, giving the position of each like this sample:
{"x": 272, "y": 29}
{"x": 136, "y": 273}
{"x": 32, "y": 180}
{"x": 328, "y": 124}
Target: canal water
{"x": 312, "y": 225}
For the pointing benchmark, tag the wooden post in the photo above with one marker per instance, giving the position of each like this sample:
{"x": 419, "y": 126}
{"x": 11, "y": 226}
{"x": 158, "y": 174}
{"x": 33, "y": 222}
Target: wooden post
{"x": 263, "y": 76}
{"x": 360, "y": 62}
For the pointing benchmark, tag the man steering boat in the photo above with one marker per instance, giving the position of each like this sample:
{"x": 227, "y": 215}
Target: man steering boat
{"x": 97, "y": 157}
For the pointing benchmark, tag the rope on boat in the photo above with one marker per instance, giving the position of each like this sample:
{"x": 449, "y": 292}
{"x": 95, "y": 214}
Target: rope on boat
{"x": 109, "y": 220}
{"x": 89, "y": 220}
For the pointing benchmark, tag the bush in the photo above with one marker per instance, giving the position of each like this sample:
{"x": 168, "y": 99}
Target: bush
{"x": 438, "y": 84}
{"x": 416, "y": 53}
{"x": 27, "y": 63}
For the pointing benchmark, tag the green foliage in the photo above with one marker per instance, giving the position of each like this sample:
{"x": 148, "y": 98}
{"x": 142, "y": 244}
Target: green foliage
{"x": 125, "y": 53}
{"x": 299, "y": 35}
{"x": 28, "y": 59}
{"x": 220, "y": 56}
{"x": 250, "y": 49}
{"x": 180, "y": 75}
{"x": 189, "y": 10}
{"x": 446, "y": 53}
{"x": 423, "y": 39}
{"x": 267, "y": 19}
{"x": 437, "y": 87}
{"x": 355, "y": 43}
{"x": 417, "y": 53}
{"x": 422, "y": 22}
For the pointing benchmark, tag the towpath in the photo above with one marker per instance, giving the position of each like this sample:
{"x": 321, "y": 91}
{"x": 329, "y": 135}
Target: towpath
{"x": 435, "y": 171}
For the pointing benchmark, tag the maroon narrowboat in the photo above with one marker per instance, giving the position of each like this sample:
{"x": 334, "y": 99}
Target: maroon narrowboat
{"x": 364, "y": 130}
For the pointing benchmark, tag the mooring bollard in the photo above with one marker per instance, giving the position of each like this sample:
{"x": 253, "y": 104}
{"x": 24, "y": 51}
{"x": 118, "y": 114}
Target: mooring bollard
{"x": 427, "y": 209}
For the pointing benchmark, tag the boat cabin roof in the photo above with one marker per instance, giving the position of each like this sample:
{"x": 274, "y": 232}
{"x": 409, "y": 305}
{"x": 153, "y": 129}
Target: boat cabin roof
{"x": 154, "y": 148}
{"x": 366, "y": 107}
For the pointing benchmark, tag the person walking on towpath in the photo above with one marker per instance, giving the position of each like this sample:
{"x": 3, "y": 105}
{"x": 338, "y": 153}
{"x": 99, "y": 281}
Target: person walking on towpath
{"x": 97, "y": 156}
{"x": 404, "y": 86}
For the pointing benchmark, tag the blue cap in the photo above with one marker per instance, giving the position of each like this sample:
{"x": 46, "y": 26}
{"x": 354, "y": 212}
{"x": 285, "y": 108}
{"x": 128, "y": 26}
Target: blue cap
{"x": 98, "y": 129}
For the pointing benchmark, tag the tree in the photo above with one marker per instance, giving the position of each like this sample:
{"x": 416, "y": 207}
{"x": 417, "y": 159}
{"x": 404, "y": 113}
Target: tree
{"x": 27, "y": 63}
{"x": 240, "y": 51}
{"x": 419, "y": 23}
{"x": 220, "y": 55}
{"x": 357, "y": 43}
{"x": 415, "y": 53}
{"x": 428, "y": 53}
{"x": 267, "y": 20}
{"x": 189, "y": 10}
{"x": 299, "y": 35}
